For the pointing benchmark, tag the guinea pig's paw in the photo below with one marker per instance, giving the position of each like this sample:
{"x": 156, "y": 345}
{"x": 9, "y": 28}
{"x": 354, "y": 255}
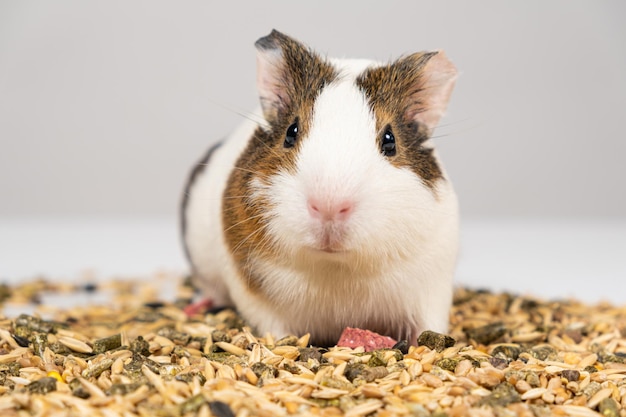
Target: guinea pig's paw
{"x": 198, "y": 307}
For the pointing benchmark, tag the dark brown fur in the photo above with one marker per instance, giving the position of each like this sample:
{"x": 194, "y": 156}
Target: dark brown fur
{"x": 303, "y": 75}
{"x": 396, "y": 95}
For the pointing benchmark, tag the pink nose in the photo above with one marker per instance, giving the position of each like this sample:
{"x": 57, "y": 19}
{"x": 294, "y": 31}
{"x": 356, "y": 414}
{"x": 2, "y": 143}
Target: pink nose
{"x": 328, "y": 210}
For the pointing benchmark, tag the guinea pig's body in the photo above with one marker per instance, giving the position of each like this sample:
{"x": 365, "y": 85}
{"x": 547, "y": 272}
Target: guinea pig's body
{"x": 335, "y": 211}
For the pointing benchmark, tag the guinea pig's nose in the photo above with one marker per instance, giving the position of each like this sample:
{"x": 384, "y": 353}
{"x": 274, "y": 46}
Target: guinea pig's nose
{"x": 330, "y": 210}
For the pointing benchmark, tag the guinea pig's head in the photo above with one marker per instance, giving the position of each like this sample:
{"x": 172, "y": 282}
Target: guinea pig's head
{"x": 344, "y": 170}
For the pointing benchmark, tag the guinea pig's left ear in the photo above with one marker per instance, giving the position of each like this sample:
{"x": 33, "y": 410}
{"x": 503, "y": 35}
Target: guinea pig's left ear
{"x": 287, "y": 70}
{"x": 272, "y": 75}
{"x": 435, "y": 82}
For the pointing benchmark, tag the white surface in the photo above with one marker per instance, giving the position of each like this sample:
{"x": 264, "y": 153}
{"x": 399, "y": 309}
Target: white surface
{"x": 67, "y": 249}
{"x": 546, "y": 258}
{"x": 583, "y": 259}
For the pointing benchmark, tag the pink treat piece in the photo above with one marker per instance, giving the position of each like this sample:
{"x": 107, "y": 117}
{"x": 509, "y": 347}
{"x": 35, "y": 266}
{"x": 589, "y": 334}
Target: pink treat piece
{"x": 353, "y": 338}
{"x": 198, "y": 307}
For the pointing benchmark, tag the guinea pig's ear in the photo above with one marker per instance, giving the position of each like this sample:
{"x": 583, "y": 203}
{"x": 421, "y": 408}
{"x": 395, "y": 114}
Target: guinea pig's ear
{"x": 273, "y": 77}
{"x": 434, "y": 83}
{"x": 286, "y": 69}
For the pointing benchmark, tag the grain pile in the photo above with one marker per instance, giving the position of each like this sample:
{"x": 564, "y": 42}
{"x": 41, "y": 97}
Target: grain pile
{"x": 138, "y": 356}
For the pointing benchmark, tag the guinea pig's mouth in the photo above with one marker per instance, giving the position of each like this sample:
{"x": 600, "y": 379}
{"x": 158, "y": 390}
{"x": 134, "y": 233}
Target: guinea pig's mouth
{"x": 329, "y": 247}
{"x": 329, "y": 250}
{"x": 330, "y": 239}
{"x": 325, "y": 247}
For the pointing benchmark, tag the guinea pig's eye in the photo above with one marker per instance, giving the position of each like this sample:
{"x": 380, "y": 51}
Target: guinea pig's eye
{"x": 388, "y": 145}
{"x": 291, "y": 135}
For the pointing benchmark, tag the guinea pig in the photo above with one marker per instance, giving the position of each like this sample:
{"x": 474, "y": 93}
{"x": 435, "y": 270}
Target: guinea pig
{"x": 333, "y": 209}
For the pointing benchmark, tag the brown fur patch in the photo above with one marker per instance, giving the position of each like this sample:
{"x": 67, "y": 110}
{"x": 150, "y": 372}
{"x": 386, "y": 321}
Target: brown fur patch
{"x": 396, "y": 93}
{"x": 303, "y": 74}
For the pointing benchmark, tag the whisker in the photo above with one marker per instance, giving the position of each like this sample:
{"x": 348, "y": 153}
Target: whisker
{"x": 238, "y": 246}
{"x": 257, "y": 119}
{"x": 244, "y": 221}
{"x": 453, "y": 122}
{"x": 265, "y": 241}
{"x": 273, "y": 151}
{"x": 233, "y": 197}
{"x": 456, "y": 132}
{"x": 206, "y": 164}
{"x": 249, "y": 170}
{"x": 253, "y": 117}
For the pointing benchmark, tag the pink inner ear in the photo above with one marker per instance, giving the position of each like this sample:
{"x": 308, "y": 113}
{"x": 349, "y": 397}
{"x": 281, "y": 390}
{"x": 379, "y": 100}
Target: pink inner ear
{"x": 438, "y": 77}
{"x": 270, "y": 81}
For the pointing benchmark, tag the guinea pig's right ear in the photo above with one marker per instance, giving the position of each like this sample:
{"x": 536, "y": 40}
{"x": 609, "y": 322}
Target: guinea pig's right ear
{"x": 272, "y": 76}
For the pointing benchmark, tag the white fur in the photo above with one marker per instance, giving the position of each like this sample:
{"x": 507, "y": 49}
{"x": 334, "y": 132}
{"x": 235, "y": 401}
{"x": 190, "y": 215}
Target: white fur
{"x": 398, "y": 248}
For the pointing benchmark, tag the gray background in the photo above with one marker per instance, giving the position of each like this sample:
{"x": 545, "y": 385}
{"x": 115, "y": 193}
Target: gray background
{"x": 104, "y": 106}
